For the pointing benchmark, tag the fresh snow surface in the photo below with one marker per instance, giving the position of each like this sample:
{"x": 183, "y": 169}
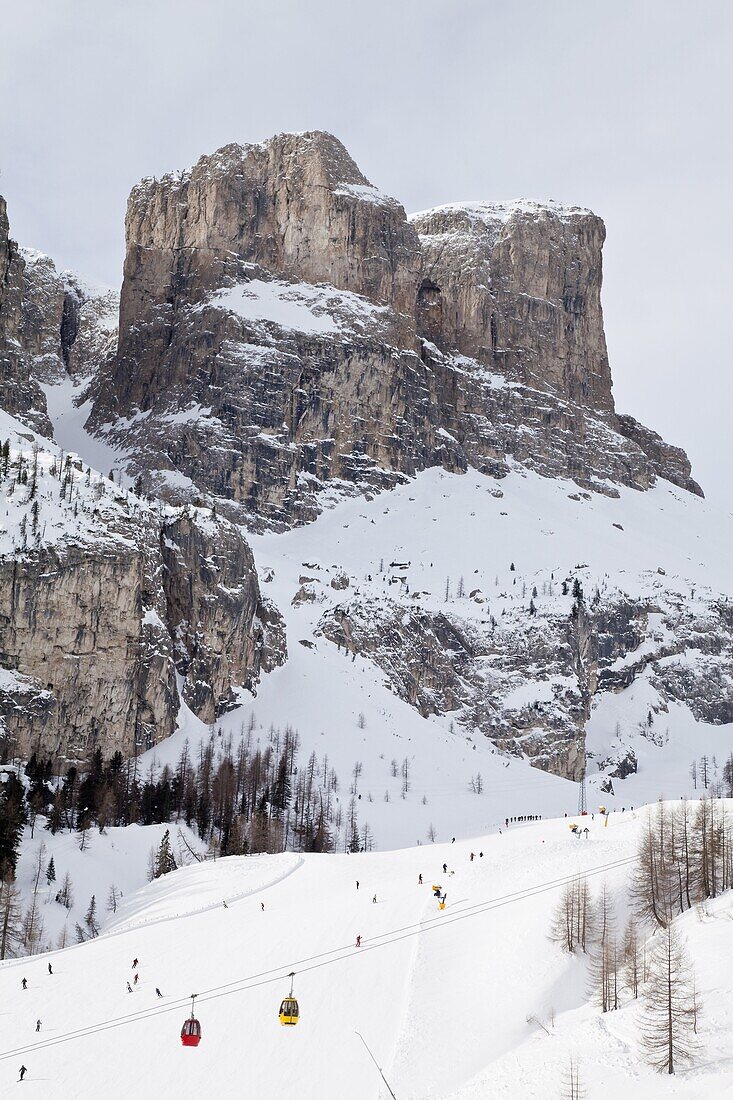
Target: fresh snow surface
{"x": 489, "y": 213}
{"x": 455, "y": 1005}
{"x": 103, "y": 509}
{"x": 68, "y": 413}
{"x": 118, "y": 857}
{"x": 303, "y": 307}
{"x": 454, "y": 525}
{"x": 366, "y": 193}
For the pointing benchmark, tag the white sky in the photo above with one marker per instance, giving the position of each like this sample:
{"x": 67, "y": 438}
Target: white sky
{"x": 620, "y": 105}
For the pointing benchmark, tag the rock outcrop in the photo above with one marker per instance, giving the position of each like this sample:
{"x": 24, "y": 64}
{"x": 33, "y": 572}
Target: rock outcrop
{"x": 225, "y": 633}
{"x": 529, "y": 683}
{"x": 517, "y": 286}
{"x": 287, "y": 334}
{"x": 20, "y": 392}
{"x": 52, "y": 325}
{"x": 73, "y": 622}
{"x": 105, "y": 601}
{"x": 667, "y": 461}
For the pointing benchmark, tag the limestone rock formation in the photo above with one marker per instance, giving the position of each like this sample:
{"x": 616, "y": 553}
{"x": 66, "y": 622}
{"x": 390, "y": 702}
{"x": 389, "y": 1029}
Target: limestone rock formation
{"x": 287, "y": 334}
{"x": 52, "y": 325}
{"x": 20, "y": 392}
{"x": 104, "y": 599}
{"x": 667, "y": 461}
{"x": 214, "y": 611}
{"x": 517, "y": 286}
{"x": 529, "y": 684}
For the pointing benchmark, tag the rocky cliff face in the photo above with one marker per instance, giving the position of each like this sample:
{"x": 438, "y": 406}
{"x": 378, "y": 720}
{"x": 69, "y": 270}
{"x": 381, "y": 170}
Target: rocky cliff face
{"x": 225, "y": 633}
{"x": 529, "y": 683}
{"x": 296, "y": 206}
{"x": 517, "y": 286}
{"x": 667, "y": 461}
{"x": 73, "y": 623}
{"x": 286, "y": 332}
{"x": 104, "y": 599}
{"x": 288, "y": 336}
{"x": 52, "y": 325}
{"x": 21, "y": 333}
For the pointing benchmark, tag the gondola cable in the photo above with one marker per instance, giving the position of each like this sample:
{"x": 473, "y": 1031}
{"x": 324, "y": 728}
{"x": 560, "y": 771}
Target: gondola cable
{"x": 256, "y": 981}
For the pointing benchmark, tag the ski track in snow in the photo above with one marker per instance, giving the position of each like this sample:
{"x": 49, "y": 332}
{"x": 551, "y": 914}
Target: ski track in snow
{"x": 445, "y": 1011}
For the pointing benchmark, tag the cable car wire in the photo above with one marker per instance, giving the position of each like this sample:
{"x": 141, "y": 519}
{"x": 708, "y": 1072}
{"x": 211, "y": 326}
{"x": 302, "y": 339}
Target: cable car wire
{"x": 320, "y": 959}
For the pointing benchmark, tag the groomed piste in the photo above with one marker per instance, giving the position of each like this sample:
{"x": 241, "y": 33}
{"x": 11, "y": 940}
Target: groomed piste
{"x": 456, "y": 1004}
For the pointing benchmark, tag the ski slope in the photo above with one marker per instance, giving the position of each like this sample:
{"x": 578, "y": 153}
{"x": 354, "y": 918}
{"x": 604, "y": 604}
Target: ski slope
{"x": 442, "y": 998}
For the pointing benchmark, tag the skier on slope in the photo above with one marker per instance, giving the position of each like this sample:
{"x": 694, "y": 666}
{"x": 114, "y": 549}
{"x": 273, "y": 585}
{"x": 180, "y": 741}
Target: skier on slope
{"x": 134, "y": 964}
{"x": 358, "y": 941}
{"x": 24, "y": 983}
{"x": 158, "y": 992}
{"x": 129, "y": 988}
{"x": 23, "y": 1072}
{"x": 419, "y": 880}
{"x": 50, "y": 968}
{"x": 38, "y": 1025}
{"x": 445, "y": 868}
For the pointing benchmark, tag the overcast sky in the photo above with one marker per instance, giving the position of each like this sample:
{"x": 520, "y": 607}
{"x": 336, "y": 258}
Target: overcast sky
{"x": 620, "y": 105}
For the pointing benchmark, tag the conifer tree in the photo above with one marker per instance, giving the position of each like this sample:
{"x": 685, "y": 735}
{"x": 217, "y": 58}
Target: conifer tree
{"x": 165, "y": 860}
{"x": 10, "y": 919}
{"x": 671, "y": 1008}
{"x": 573, "y": 923}
{"x": 113, "y": 899}
{"x": 573, "y": 1088}
{"x": 90, "y": 919}
{"x": 606, "y": 963}
{"x": 65, "y": 895}
{"x": 632, "y": 960}
{"x": 13, "y": 817}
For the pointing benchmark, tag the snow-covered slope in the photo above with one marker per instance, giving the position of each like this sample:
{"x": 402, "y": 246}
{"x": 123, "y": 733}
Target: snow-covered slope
{"x": 107, "y": 866}
{"x": 350, "y": 706}
{"x": 455, "y": 1005}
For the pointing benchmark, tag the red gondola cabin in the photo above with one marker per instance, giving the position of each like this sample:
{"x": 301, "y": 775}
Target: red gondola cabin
{"x": 191, "y": 1030}
{"x": 191, "y": 1033}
